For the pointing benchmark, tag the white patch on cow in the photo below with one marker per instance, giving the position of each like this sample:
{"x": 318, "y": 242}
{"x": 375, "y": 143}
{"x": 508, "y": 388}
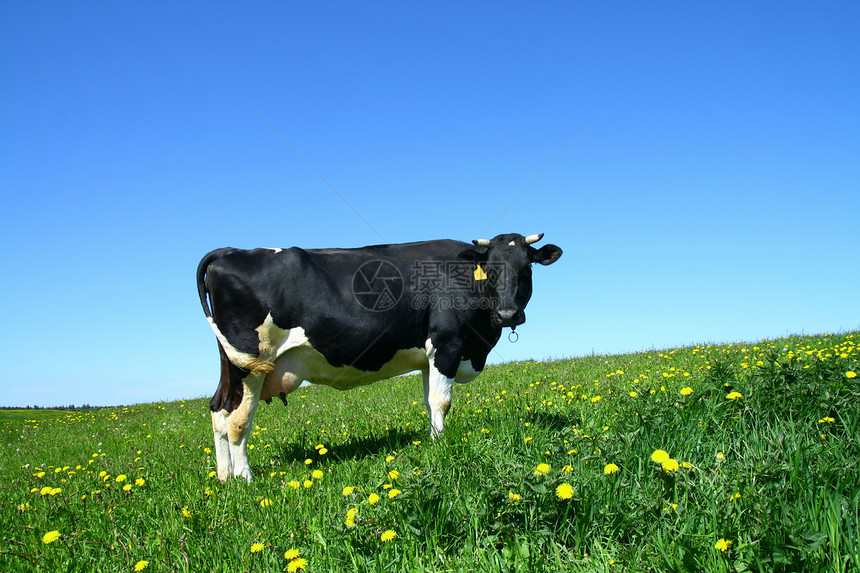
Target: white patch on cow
{"x": 465, "y": 373}
{"x": 275, "y": 249}
{"x": 437, "y": 394}
{"x": 222, "y": 446}
{"x": 237, "y": 357}
{"x": 512, "y": 244}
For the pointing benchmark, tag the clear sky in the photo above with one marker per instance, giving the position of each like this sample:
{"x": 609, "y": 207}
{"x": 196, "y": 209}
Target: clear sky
{"x": 698, "y": 162}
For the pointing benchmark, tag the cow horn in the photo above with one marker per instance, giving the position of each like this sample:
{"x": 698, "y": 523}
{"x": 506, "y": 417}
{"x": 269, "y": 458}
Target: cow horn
{"x": 534, "y": 238}
{"x": 482, "y": 242}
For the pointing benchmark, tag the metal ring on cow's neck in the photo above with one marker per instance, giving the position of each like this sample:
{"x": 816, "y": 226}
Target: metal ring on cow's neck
{"x": 513, "y": 336}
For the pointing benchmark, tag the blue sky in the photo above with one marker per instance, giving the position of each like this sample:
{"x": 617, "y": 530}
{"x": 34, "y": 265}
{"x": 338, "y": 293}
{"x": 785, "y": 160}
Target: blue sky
{"x": 698, "y": 162}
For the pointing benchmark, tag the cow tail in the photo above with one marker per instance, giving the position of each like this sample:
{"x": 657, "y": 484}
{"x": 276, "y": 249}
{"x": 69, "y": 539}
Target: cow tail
{"x": 253, "y": 364}
{"x": 201, "y": 279}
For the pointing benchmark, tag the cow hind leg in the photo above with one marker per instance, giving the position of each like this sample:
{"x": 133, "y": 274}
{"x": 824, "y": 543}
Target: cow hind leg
{"x": 238, "y": 425}
{"x": 222, "y": 446}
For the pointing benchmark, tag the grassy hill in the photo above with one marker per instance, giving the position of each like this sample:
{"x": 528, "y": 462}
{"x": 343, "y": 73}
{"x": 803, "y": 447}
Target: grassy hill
{"x": 707, "y": 458}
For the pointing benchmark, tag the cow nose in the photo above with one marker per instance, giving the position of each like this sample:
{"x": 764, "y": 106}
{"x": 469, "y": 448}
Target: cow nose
{"x": 506, "y": 314}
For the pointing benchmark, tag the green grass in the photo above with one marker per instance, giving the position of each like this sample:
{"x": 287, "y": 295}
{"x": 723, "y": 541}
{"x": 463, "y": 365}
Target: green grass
{"x": 773, "y": 472}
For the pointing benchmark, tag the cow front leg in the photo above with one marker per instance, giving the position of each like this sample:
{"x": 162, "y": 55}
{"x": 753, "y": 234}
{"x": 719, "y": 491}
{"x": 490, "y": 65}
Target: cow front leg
{"x": 239, "y": 425}
{"x": 437, "y": 396}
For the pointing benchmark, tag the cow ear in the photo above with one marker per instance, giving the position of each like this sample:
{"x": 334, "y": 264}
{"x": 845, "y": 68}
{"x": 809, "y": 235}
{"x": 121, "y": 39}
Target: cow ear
{"x": 478, "y": 255}
{"x": 546, "y": 255}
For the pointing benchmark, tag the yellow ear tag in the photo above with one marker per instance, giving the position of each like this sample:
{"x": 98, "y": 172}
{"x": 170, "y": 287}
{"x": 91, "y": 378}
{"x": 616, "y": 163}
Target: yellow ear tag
{"x": 480, "y": 274}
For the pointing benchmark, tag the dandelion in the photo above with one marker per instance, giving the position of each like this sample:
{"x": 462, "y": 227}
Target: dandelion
{"x": 121, "y": 478}
{"x": 307, "y": 483}
{"x": 317, "y": 474}
{"x": 513, "y": 496}
{"x": 45, "y": 490}
{"x": 720, "y": 456}
{"x": 294, "y": 484}
{"x": 686, "y": 391}
{"x": 564, "y": 491}
{"x": 851, "y": 374}
{"x": 659, "y": 456}
{"x": 50, "y": 537}
{"x": 185, "y": 513}
{"x": 633, "y": 394}
{"x": 372, "y": 498}
{"x": 670, "y": 465}
{"x": 139, "y": 482}
{"x": 257, "y": 547}
{"x": 723, "y": 545}
{"x": 348, "y": 490}
{"x": 596, "y": 399}
{"x": 126, "y": 487}
{"x": 826, "y": 420}
{"x": 392, "y": 493}
{"x": 389, "y": 458}
{"x": 297, "y": 564}
{"x": 308, "y": 462}
{"x": 735, "y": 496}
{"x": 141, "y": 565}
{"x": 542, "y": 470}
{"x": 265, "y": 502}
{"x": 388, "y": 535}
{"x": 394, "y": 474}
{"x": 610, "y": 469}
{"x": 733, "y": 395}
{"x": 291, "y": 554}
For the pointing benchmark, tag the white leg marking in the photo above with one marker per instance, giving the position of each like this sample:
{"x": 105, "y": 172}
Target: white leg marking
{"x": 222, "y": 446}
{"x": 239, "y": 425}
{"x": 437, "y": 396}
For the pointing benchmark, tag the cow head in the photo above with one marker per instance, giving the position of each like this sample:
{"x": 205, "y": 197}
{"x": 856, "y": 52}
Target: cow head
{"x": 508, "y": 260}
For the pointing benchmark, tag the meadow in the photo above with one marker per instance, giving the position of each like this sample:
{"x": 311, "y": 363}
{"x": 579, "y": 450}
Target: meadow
{"x": 729, "y": 457}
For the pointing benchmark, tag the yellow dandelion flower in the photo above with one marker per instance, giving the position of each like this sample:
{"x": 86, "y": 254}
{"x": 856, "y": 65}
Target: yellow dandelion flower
{"x": 734, "y": 395}
{"x": 308, "y": 462}
{"x": 633, "y": 394}
{"x": 257, "y": 547}
{"x": 388, "y": 535}
{"x": 826, "y": 420}
{"x": 317, "y": 474}
{"x": 291, "y": 554}
{"x": 513, "y": 496}
{"x": 121, "y": 478}
{"x": 297, "y": 564}
{"x": 723, "y": 545}
{"x": 45, "y": 490}
{"x": 266, "y": 502}
{"x": 141, "y": 565}
{"x": 348, "y": 490}
{"x": 851, "y": 374}
{"x": 735, "y": 496}
{"x": 294, "y": 484}
{"x": 127, "y": 487}
{"x": 392, "y": 493}
{"x": 372, "y": 498}
{"x": 670, "y": 465}
{"x": 542, "y": 470}
{"x": 659, "y": 456}
{"x": 720, "y": 456}
{"x": 307, "y": 483}
{"x": 323, "y": 451}
{"x": 139, "y": 482}
{"x": 564, "y": 491}
{"x": 686, "y": 391}
{"x": 389, "y": 458}
{"x": 610, "y": 469}
{"x": 394, "y": 474}
{"x": 50, "y": 537}
{"x": 185, "y": 513}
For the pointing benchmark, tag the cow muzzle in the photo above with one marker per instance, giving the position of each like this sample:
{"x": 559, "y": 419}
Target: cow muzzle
{"x": 509, "y": 317}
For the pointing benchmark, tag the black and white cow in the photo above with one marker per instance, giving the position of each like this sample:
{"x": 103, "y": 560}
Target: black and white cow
{"x": 350, "y": 317}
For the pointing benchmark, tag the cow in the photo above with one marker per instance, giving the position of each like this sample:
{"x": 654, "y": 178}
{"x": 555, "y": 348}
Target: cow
{"x": 351, "y": 317}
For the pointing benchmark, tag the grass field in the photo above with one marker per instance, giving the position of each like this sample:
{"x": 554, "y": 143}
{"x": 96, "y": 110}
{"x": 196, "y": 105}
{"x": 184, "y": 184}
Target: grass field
{"x": 709, "y": 458}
